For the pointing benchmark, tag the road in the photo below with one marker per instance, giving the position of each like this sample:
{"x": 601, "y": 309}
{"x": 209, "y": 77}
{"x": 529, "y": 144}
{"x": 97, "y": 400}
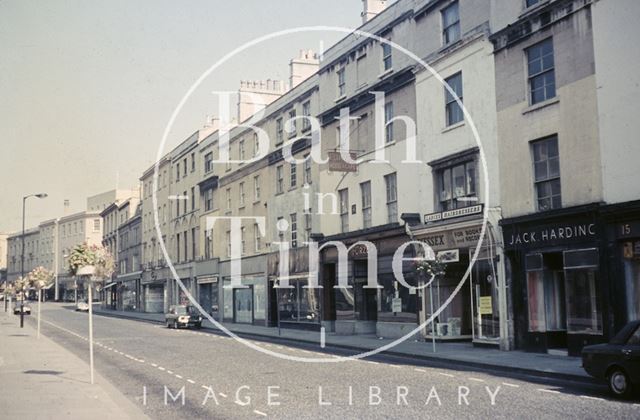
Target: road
{"x": 213, "y": 376}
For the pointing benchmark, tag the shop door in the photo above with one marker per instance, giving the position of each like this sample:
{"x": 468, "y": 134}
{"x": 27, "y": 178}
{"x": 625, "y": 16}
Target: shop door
{"x": 205, "y": 296}
{"x": 365, "y": 299}
{"x": 243, "y": 305}
{"x": 485, "y": 301}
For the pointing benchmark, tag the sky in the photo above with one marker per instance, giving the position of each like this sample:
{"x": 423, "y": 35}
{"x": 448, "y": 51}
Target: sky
{"x": 87, "y": 87}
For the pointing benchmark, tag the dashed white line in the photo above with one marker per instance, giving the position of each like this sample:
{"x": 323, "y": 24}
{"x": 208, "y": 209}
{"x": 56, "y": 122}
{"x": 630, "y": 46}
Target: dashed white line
{"x": 587, "y": 397}
{"x": 448, "y": 375}
{"x": 476, "y": 379}
{"x": 550, "y": 391}
{"x": 178, "y": 376}
{"x": 205, "y": 387}
{"x": 511, "y": 385}
{"x": 169, "y": 372}
{"x": 154, "y": 365}
{"x": 420, "y": 370}
{"x": 260, "y": 413}
{"x": 191, "y": 381}
{"x": 161, "y": 368}
{"x": 222, "y": 395}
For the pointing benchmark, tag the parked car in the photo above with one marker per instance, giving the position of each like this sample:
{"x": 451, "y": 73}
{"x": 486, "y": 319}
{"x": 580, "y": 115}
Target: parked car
{"x": 26, "y": 309}
{"x": 82, "y": 307}
{"x": 183, "y": 316}
{"x": 617, "y": 362}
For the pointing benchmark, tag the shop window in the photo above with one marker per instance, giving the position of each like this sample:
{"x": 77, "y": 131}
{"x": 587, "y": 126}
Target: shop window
{"x": 584, "y": 314}
{"x": 299, "y": 303}
{"x": 457, "y": 186}
{"x": 632, "y": 280}
{"x": 545, "y": 292}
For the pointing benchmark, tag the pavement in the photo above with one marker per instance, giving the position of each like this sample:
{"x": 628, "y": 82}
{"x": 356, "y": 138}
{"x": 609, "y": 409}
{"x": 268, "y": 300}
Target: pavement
{"x": 170, "y": 373}
{"x": 455, "y": 354}
{"x": 42, "y": 380}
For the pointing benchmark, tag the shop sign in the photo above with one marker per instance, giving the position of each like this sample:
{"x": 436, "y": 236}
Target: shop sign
{"x": 453, "y": 239}
{"x": 548, "y": 235}
{"x": 631, "y": 250}
{"x": 396, "y": 305}
{"x": 337, "y": 164}
{"x": 485, "y": 307}
{"x": 628, "y": 230}
{"x": 452, "y": 214}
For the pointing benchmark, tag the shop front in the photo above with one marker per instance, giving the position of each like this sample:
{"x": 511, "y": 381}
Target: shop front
{"x": 474, "y": 313}
{"x": 247, "y": 304}
{"x": 129, "y": 291}
{"x": 558, "y": 284}
{"x": 153, "y": 291}
{"x": 388, "y": 310}
{"x": 623, "y": 237}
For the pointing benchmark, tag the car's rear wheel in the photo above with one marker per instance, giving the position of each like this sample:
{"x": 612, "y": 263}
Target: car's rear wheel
{"x": 168, "y": 324}
{"x": 175, "y": 325}
{"x": 619, "y": 383}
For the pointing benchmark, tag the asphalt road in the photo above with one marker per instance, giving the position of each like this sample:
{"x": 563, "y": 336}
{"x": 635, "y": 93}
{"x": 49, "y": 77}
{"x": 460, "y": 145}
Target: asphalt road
{"x": 212, "y": 376}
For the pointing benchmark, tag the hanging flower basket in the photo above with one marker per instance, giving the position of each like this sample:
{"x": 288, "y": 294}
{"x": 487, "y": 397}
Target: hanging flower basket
{"x": 431, "y": 269}
{"x": 91, "y": 260}
{"x": 40, "y": 277}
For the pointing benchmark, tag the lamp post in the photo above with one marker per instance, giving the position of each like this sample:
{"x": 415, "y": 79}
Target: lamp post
{"x": 24, "y": 200}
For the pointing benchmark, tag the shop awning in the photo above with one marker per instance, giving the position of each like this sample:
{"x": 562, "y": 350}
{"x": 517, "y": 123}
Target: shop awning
{"x": 109, "y": 285}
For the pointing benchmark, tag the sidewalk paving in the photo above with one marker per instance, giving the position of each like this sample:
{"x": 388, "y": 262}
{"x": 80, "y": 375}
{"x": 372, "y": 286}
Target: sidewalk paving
{"x": 42, "y": 380}
{"x": 455, "y": 354}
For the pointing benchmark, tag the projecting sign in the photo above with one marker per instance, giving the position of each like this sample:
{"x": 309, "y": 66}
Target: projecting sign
{"x": 337, "y": 163}
{"x": 452, "y": 214}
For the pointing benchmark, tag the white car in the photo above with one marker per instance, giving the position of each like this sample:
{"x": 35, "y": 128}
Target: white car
{"x": 82, "y": 307}
{"x": 26, "y": 309}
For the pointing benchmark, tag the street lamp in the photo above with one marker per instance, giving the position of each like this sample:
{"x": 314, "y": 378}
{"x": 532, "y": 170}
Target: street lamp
{"x": 24, "y": 200}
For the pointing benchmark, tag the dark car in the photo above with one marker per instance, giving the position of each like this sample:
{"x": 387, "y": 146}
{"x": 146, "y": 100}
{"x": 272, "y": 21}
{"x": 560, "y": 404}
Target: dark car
{"x": 183, "y": 316}
{"x": 617, "y": 362}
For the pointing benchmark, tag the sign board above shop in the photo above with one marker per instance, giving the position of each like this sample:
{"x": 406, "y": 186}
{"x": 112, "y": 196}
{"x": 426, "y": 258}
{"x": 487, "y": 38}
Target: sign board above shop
{"x": 338, "y": 164}
{"x": 543, "y": 235}
{"x": 452, "y": 214}
{"x": 452, "y": 238}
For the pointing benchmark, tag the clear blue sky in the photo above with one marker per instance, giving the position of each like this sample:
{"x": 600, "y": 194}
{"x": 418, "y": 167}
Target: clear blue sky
{"x": 87, "y": 87}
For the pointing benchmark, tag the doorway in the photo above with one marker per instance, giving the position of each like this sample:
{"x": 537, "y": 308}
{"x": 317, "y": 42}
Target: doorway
{"x": 243, "y": 305}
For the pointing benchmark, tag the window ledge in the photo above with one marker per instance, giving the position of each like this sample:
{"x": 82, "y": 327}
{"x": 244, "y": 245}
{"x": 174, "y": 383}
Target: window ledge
{"x": 453, "y": 126}
{"x": 541, "y": 105}
{"x": 255, "y": 203}
{"x": 341, "y": 98}
{"x": 385, "y": 73}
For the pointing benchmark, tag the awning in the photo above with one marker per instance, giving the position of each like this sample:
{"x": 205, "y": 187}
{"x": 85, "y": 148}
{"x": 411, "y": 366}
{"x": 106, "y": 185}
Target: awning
{"x": 49, "y": 286}
{"x": 109, "y": 285}
{"x": 291, "y": 277}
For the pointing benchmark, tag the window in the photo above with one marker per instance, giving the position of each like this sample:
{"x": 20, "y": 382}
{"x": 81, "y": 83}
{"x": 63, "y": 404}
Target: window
{"x": 193, "y": 198}
{"x": 208, "y": 162}
{"x": 293, "y": 172}
{"x": 341, "y": 83}
{"x": 184, "y": 167}
{"x": 388, "y": 117}
{"x": 392, "y": 197}
{"x": 228, "y": 237}
{"x": 450, "y": 24}
{"x": 530, "y": 3}
{"x": 193, "y": 162}
{"x": 256, "y": 144}
{"x": 241, "y": 189}
{"x": 546, "y": 163}
{"x": 344, "y": 210}
{"x": 193, "y": 243}
{"x": 257, "y": 238}
{"x": 365, "y": 190}
{"x": 279, "y": 131}
{"x": 178, "y": 171}
{"x": 307, "y": 224}
{"x": 228, "y": 196}
{"x": 185, "y": 197}
{"x": 453, "y": 110}
{"x": 177, "y": 208}
{"x": 243, "y": 245}
{"x": 208, "y": 199}
{"x": 293, "y": 124}
{"x": 542, "y": 79}
{"x": 279, "y": 180}
{"x": 457, "y": 186}
{"x": 96, "y": 225}
{"x": 386, "y": 56}
{"x": 306, "y": 113}
{"x": 178, "y": 247}
{"x": 256, "y": 188}
{"x": 208, "y": 244}
{"x": 294, "y": 230}
{"x": 241, "y": 151}
{"x": 584, "y": 312}
{"x": 307, "y": 169}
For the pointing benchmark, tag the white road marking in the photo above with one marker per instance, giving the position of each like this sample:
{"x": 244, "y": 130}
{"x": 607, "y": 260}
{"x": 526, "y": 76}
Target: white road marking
{"x": 587, "y": 397}
{"x": 169, "y": 372}
{"x": 420, "y": 370}
{"x": 154, "y": 365}
{"x": 550, "y": 391}
{"x": 222, "y": 395}
{"x": 260, "y": 413}
{"x": 161, "y": 368}
{"x": 511, "y": 385}
{"x": 476, "y": 379}
{"x": 191, "y": 381}
{"x": 448, "y": 375}
{"x": 178, "y": 376}
{"x": 205, "y": 387}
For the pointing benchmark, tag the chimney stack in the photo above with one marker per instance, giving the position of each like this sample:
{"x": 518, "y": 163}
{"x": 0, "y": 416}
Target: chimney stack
{"x": 255, "y": 95}
{"x": 372, "y": 8}
{"x": 303, "y": 67}
{"x": 66, "y": 207}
